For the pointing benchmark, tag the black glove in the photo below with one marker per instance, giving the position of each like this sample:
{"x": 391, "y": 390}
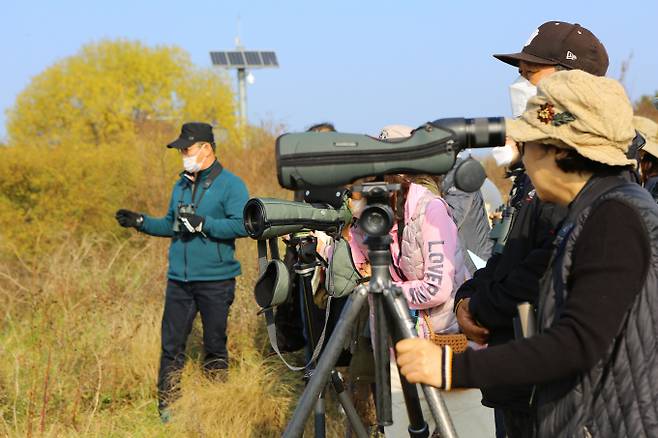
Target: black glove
{"x": 127, "y": 218}
{"x": 191, "y": 223}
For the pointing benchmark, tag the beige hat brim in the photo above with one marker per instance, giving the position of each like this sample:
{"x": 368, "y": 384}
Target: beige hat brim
{"x": 651, "y": 148}
{"x": 521, "y": 131}
{"x": 649, "y": 130}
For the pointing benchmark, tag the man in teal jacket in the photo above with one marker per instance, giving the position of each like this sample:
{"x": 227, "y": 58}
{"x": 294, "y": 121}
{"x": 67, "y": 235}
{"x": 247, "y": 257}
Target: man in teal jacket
{"x": 203, "y": 220}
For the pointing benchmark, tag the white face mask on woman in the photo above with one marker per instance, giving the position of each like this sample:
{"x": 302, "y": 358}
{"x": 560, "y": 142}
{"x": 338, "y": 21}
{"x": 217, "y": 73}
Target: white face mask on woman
{"x": 520, "y": 93}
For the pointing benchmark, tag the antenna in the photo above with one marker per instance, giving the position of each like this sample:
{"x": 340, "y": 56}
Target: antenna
{"x": 238, "y": 43}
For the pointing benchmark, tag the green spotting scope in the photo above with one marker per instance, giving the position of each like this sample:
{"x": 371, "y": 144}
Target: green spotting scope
{"x": 265, "y": 218}
{"x": 320, "y": 159}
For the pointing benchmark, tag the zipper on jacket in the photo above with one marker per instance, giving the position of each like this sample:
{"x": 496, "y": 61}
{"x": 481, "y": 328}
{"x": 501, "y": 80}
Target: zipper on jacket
{"x": 185, "y": 260}
{"x": 219, "y": 254}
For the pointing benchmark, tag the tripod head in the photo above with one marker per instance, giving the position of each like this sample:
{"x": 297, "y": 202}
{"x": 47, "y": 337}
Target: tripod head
{"x": 376, "y": 221}
{"x": 377, "y": 218}
{"x": 304, "y": 246}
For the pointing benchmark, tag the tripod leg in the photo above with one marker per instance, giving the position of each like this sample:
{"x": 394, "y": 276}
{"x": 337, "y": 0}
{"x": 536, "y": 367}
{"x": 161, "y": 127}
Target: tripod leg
{"x": 313, "y": 336}
{"x": 346, "y": 402}
{"x": 418, "y": 427}
{"x": 332, "y": 351}
{"x": 397, "y": 305}
{"x": 382, "y": 364}
{"x": 320, "y": 421}
{"x": 311, "y": 317}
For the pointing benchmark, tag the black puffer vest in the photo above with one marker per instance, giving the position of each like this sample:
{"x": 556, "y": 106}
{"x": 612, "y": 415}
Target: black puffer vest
{"x": 618, "y": 397}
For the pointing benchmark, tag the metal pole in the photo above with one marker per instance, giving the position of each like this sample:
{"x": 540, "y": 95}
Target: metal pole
{"x": 242, "y": 104}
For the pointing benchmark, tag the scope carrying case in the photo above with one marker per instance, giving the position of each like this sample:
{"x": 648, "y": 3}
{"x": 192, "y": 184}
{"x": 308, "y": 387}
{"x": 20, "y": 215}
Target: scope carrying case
{"x": 331, "y": 158}
{"x": 342, "y": 277}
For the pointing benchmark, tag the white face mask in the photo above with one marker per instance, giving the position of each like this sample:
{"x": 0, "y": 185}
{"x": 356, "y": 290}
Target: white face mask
{"x": 190, "y": 163}
{"x": 520, "y": 93}
{"x": 357, "y": 206}
{"x": 505, "y": 155}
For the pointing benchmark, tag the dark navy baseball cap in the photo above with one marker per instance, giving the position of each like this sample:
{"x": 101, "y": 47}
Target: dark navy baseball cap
{"x": 191, "y": 133}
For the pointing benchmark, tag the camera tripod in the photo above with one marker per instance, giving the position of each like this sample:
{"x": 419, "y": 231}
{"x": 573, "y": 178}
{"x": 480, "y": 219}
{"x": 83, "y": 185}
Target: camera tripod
{"x": 390, "y": 312}
{"x": 305, "y": 247}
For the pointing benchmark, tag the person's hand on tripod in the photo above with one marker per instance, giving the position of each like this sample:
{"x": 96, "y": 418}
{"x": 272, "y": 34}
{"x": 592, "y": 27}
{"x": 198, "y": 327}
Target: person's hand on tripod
{"x": 469, "y": 325}
{"x": 420, "y": 361}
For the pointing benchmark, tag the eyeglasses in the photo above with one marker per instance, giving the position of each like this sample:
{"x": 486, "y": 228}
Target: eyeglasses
{"x": 521, "y": 147}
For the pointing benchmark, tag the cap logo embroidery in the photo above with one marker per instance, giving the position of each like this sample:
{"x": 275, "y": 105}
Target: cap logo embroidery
{"x": 546, "y": 114}
{"x": 571, "y": 56}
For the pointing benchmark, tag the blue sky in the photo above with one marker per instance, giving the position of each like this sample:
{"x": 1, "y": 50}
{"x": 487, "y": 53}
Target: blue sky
{"x": 361, "y": 65}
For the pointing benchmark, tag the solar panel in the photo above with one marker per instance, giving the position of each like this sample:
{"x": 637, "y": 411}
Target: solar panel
{"x": 269, "y": 58}
{"x": 219, "y": 58}
{"x": 241, "y": 59}
{"x": 253, "y": 59}
{"x": 236, "y": 59}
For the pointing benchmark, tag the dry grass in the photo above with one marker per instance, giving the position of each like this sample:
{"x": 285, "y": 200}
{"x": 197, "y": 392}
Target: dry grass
{"x": 80, "y": 339}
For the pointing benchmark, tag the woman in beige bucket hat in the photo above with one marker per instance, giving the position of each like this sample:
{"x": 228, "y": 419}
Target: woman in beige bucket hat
{"x": 594, "y": 357}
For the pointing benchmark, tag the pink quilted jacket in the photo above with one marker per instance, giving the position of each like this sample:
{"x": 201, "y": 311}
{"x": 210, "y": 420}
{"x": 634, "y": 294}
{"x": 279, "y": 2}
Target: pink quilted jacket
{"x": 431, "y": 266}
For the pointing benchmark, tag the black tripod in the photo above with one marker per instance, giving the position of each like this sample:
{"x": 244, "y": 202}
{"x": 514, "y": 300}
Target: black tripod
{"x": 390, "y": 311}
{"x": 304, "y": 245}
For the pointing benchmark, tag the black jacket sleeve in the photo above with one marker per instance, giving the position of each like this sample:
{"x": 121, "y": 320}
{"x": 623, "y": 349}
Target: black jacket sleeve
{"x": 516, "y": 275}
{"x": 483, "y": 275}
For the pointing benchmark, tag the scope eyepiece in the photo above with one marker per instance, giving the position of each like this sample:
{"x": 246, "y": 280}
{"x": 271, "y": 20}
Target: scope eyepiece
{"x": 377, "y": 219}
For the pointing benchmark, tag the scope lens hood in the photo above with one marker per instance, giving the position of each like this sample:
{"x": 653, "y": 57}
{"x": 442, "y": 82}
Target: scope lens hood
{"x": 255, "y": 218}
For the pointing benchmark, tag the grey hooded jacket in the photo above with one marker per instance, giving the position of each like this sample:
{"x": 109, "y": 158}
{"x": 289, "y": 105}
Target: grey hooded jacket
{"x": 471, "y": 218}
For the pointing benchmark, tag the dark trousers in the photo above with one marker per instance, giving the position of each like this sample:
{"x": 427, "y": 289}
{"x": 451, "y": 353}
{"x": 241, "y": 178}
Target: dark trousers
{"x": 182, "y": 302}
{"x": 518, "y": 424}
{"x": 499, "y": 421}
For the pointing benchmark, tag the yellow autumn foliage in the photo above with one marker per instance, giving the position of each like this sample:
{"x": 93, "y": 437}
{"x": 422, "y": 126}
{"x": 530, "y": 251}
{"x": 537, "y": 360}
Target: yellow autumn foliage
{"x": 97, "y": 96}
{"x": 88, "y": 136}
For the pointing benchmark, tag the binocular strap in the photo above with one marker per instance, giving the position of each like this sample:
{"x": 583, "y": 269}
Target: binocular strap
{"x": 271, "y": 333}
{"x": 269, "y": 312}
